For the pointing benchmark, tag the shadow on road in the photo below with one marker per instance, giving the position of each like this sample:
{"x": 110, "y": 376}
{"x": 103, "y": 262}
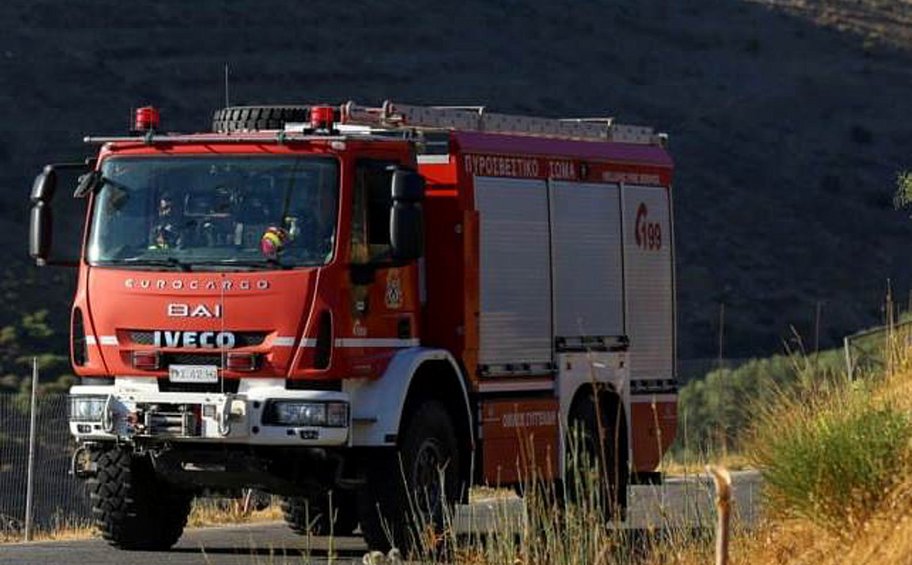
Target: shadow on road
{"x": 271, "y": 552}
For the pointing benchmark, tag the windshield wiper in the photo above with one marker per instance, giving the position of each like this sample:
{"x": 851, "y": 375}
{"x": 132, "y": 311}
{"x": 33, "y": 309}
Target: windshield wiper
{"x": 266, "y": 263}
{"x": 169, "y": 262}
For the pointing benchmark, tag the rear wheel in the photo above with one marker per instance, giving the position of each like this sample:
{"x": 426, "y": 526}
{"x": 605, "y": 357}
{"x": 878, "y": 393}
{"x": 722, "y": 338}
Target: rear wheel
{"x": 597, "y": 474}
{"x": 318, "y": 515}
{"x": 132, "y": 507}
{"x": 404, "y": 505}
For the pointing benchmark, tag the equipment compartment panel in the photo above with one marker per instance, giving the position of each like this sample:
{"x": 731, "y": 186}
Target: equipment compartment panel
{"x": 514, "y": 267}
{"x": 588, "y": 269}
{"x": 649, "y": 281}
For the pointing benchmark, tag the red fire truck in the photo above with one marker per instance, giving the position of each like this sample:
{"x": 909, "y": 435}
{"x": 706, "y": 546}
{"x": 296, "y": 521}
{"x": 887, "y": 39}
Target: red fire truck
{"x": 341, "y": 305}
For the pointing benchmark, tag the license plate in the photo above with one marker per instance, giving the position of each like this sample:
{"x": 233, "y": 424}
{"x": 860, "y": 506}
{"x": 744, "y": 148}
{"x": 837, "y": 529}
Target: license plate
{"x": 193, "y": 373}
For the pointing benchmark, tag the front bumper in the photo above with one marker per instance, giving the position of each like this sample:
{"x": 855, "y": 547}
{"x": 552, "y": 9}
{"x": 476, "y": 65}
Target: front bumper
{"x": 134, "y": 410}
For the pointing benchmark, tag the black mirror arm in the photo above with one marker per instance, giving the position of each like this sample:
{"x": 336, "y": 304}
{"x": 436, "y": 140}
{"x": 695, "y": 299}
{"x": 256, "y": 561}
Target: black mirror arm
{"x": 91, "y": 174}
{"x": 84, "y": 165}
{"x": 56, "y": 263}
{"x": 87, "y": 183}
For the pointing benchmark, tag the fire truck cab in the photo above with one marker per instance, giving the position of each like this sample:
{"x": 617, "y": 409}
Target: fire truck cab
{"x": 315, "y": 301}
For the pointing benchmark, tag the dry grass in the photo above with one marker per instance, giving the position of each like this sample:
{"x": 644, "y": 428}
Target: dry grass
{"x": 485, "y": 493}
{"x": 219, "y": 512}
{"x": 62, "y": 532}
{"x": 886, "y": 539}
{"x": 877, "y": 21}
{"x": 867, "y": 529}
{"x": 690, "y": 466}
{"x": 205, "y": 512}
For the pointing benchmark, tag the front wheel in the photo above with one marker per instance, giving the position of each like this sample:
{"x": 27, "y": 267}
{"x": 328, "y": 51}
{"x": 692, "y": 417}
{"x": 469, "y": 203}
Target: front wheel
{"x": 407, "y": 494}
{"x": 132, "y": 507}
{"x": 322, "y": 513}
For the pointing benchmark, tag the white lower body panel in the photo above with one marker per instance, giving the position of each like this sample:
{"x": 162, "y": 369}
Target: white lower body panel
{"x": 578, "y": 370}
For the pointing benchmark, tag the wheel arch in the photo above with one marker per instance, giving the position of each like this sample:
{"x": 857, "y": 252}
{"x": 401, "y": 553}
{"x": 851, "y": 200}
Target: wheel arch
{"x": 380, "y": 406}
{"x": 427, "y": 384}
{"x": 611, "y": 405}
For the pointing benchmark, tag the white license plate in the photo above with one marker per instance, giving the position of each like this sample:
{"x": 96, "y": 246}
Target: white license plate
{"x": 193, "y": 373}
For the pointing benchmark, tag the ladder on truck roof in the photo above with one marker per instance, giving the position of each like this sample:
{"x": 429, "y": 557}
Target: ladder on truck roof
{"x": 476, "y": 118}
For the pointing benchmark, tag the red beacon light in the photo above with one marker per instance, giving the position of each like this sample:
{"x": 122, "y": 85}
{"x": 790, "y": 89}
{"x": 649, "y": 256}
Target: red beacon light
{"x": 147, "y": 119}
{"x": 321, "y": 117}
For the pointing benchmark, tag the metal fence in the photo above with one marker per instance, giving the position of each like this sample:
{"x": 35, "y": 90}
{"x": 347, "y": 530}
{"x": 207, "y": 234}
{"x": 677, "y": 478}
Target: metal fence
{"x": 59, "y": 499}
{"x": 877, "y": 349}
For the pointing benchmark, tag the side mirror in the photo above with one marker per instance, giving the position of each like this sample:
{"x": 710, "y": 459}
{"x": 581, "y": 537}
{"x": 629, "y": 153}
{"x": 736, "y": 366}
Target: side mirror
{"x": 407, "y": 215}
{"x": 407, "y": 186}
{"x": 41, "y": 217}
{"x": 406, "y": 231}
{"x": 45, "y": 185}
{"x": 40, "y": 233}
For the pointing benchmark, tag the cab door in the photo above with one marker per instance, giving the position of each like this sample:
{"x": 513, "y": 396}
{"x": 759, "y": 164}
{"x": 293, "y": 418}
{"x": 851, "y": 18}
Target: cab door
{"x": 384, "y": 294}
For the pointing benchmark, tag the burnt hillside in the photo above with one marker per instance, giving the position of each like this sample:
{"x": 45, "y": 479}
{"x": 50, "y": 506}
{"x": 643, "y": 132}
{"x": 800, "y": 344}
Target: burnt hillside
{"x": 787, "y": 133}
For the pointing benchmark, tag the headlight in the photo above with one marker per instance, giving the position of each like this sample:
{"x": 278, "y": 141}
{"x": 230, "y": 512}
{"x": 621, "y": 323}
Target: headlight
{"x": 337, "y": 414}
{"x": 296, "y": 413}
{"x": 87, "y": 408}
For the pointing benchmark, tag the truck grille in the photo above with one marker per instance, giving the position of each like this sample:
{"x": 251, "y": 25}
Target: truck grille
{"x": 241, "y": 339}
{"x": 191, "y": 359}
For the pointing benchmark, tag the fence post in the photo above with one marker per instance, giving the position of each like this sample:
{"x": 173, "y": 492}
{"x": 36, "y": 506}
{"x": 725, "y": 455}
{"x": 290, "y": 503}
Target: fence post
{"x": 850, "y": 368}
{"x": 29, "y": 489}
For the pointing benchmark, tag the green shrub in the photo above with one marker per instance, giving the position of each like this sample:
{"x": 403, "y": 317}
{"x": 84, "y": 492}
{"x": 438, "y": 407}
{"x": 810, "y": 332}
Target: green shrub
{"x": 830, "y": 453}
{"x": 716, "y": 410}
{"x": 902, "y": 198}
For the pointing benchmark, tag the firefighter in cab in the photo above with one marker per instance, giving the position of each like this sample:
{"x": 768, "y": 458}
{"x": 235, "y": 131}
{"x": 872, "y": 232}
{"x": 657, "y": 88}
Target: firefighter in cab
{"x": 165, "y": 232}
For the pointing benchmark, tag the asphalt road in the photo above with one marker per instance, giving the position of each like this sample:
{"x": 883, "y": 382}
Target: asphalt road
{"x": 268, "y": 543}
{"x": 685, "y": 502}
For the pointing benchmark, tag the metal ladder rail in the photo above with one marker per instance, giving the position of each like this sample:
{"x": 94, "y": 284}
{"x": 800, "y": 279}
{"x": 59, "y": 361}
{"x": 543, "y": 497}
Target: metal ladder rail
{"x": 474, "y": 118}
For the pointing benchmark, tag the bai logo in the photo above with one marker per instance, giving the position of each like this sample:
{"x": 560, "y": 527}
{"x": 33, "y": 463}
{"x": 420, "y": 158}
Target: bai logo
{"x": 648, "y": 235}
{"x": 178, "y": 310}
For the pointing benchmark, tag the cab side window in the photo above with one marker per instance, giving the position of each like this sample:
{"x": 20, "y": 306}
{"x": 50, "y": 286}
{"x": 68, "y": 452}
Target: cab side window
{"x": 371, "y": 211}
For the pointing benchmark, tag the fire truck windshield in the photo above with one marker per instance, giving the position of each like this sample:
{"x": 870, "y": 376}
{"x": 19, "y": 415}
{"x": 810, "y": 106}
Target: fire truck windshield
{"x": 213, "y": 213}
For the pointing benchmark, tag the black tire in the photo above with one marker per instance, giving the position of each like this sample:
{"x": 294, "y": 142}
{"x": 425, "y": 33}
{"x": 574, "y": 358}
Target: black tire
{"x": 133, "y": 508}
{"x": 608, "y": 461}
{"x": 310, "y": 515}
{"x": 256, "y": 118}
{"x": 395, "y": 512}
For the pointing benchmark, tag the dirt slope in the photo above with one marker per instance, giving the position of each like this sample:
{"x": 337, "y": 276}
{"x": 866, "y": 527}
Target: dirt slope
{"x": 787, "y": 134}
